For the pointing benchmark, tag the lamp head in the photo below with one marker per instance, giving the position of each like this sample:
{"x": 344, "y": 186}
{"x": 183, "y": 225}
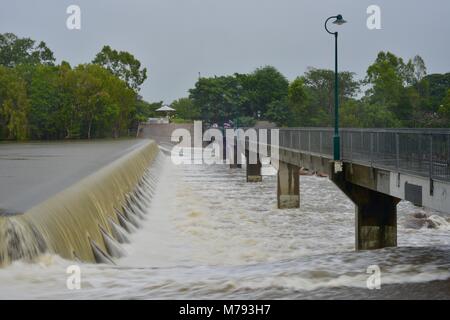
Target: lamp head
{"x": 339, "y": 20}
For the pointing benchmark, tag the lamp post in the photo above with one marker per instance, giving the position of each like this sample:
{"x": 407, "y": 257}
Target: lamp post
{"x": 339, "y": 20}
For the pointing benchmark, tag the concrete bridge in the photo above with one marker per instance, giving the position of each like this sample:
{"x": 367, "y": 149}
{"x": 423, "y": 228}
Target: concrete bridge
{"x": 379, "y": 167}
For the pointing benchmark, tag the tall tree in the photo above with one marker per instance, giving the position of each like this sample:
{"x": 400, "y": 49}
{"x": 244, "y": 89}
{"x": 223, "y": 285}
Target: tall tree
{"x": 103, "y": 101}
{"x": 420, "y": 69}
{"x": 218, "y": 99}
{"x": 388, "y": 77}
{"x": 320, "y": 86}
{"x": 15, "y": 51}
{"x": 266, "y": 85}
{"x": 123, "y": 65}
{"x": 298, "y": 103}
{"x": 14, "y": 105}
{"x": 402, "y": 87}
{"x": 45, "y": 103}
{"x": 186, "y": 109}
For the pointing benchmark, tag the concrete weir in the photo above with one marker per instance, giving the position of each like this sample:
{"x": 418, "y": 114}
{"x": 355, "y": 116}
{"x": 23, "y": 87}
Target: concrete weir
{"x": 88, "y": 220}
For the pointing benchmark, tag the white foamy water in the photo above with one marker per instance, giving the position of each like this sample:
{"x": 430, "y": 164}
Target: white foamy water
{"x": 209, "y": 234}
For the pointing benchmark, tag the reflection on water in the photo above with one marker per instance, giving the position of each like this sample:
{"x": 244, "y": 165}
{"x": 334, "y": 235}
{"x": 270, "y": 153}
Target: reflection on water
{"x": 209, "y": 234}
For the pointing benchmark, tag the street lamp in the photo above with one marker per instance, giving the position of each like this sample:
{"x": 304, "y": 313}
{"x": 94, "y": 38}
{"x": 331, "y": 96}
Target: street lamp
{"x": 336, "y": 139}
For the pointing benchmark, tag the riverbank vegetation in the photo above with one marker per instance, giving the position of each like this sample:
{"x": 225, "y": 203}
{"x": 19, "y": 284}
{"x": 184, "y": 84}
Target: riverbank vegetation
{"x": 40, "y": 99}
{"x": 43, "y": 100}
{"x": 394, "y": 93}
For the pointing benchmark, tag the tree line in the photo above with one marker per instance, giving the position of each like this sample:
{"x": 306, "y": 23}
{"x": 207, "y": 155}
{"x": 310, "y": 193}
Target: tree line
{"x": 394, "y": 93}
{"x": 43, "y": 100}
{"x": 40, "y": 99}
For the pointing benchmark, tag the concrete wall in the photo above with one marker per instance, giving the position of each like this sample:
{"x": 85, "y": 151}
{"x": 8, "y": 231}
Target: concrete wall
{"x": 162, "y": 132}
{"x": 436, "y": 196}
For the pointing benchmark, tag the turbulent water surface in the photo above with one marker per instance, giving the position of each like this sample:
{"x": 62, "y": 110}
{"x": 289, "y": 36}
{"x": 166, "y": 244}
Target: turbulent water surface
{"x": 209, "y": 234}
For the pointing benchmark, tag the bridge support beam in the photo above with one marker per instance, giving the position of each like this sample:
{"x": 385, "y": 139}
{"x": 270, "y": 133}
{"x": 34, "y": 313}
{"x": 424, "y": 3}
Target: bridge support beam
{"x": 253, "y": 170}
{"x": 288, "y": 187}
{"x": 375, "y": 214}
{"x": 236, "y": 156}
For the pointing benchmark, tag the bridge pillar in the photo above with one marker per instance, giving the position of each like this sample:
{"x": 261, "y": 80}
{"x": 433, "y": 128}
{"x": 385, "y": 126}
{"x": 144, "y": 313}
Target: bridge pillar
{"x": 253, "y": 170}
{"x": 288, "y": 187}
{"x": 375, "y": 215}
{"x": 224, "y": 148}
{"x": 236, "y": 163}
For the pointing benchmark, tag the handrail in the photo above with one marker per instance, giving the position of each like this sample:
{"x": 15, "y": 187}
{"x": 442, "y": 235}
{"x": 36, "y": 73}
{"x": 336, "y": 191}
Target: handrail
{"x": 423, "y": 152}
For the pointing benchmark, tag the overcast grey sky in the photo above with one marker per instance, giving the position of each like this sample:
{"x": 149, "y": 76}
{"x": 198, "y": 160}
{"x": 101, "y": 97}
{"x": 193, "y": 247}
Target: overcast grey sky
{"x": 176, "y": 39}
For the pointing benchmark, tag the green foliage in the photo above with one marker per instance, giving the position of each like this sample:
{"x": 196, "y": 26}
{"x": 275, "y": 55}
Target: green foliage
{"x": 291, "y": 110}
{"x": 278, "y": 112}
{"x": 221, "y": 99}
{"x": 298, "y": 99}
{"x": 387, "y": 75}
{"x": 15, "y": 51}
{"x": 40, "y": 100}
{"x": 180, "y": 120}
{"x": 444, "y": 110}
{"x": 361, "y": 114}
{"x": 144, "y": 110}
{"x": 399, "y": 94}
{"x": 318, "y": 109}
{"x": 400, "y": 86}
{"x": 266, "y": 86}
{"x": 217, "y": 99}
{"x": 123, "y": 65}
{"x": 93, "y": 98}
{"x": 85, "y": 102}
{"x": 186, "y": 109}
{"x": 419, "y": 68}
{"x": 46, "y": 99}
{"x": 13, "y": 106}
{"x": 245, "y": 121}
{"x": 436, "y": 87}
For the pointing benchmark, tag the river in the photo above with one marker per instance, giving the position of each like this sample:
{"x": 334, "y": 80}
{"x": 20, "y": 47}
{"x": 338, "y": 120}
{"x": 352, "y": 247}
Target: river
{"x": 210, "y": 235}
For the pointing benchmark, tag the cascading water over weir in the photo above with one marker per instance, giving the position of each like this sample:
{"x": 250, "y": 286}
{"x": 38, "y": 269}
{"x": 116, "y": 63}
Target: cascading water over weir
{"x": 89, "y": 220}
{"x": 206, "y": 234}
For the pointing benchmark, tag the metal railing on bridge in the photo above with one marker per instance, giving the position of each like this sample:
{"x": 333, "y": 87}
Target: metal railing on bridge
{"x": 422, "y": 152}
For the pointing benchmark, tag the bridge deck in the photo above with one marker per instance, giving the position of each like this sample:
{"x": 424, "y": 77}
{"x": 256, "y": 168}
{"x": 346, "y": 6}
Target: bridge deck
{"x": 421, "y": 152}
